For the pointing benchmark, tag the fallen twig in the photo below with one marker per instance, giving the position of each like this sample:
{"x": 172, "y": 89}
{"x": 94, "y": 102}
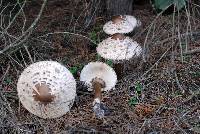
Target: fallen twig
{"x": 20, "y": 40}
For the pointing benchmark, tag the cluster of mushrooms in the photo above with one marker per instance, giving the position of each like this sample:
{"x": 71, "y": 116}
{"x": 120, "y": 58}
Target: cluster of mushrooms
{"x": 48, "y": 89}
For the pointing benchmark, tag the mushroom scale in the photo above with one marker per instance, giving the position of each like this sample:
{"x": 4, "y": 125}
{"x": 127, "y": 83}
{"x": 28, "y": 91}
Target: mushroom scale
{"x": 99, "y": 70}
{"x": 125, "y": 24}
{"x": 46, "y": 89}
{"x": 118, "y": 49}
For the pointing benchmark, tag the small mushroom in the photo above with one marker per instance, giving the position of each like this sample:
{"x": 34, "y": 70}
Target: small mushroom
{"x": 119, "y": 48}
{"x": 46, "y": 89}
{"x": 121, "y": 24}
{"x": 100, "y": 77}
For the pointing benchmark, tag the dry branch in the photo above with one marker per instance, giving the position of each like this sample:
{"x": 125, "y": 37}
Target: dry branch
{"x": 20, "y": 40}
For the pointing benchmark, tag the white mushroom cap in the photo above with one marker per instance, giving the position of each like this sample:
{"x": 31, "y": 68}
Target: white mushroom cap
{"x": 101, "y": 71}
{"x": 117, "y": 49}
{"x": 120, "y": 24}
{"x": 51, "y": 78}
{"x": 135, "y": 22}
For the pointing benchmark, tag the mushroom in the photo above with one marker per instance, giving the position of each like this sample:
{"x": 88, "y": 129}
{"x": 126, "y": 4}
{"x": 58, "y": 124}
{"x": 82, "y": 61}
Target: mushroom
{"x": 46, "y": 89}
{"x": 100, "y": 77}
{"x": 121, "y": 24}
{"x": 118, "y": 48}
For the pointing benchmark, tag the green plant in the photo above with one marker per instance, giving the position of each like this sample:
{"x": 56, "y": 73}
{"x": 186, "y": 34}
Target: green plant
{"x": 109, "y": 62}
{"x": 138, "y": 87}
{"x": 7, "y": 80}
{"x": 133, "y": 101}
{"x": 195, "y": 74}
{"x": 94, "y": 35}
{"x": 98, "y": 57}
{"x": 75, "y": 69}
{"x": 163, "y": 4}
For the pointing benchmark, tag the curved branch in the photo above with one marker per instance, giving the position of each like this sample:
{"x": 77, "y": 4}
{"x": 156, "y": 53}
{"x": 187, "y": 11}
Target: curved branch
{"x": 26, "y": 34}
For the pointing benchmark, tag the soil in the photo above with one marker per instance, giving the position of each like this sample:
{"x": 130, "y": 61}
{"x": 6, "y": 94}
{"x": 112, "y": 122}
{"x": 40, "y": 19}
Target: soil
{"x": 159, "y": 92}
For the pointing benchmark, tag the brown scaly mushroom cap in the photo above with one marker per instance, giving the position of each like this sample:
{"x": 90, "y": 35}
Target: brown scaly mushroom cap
{"x": 121, "y": 24}
{"x": 46, "y": 89}
{"x": 117, "y": 19}
{"x": 118, "y": 48}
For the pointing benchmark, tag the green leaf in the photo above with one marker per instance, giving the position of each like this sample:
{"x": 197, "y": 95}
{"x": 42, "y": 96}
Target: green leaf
{"x": 195, "y": 74}
{"x": 8, "y": 80}
{"x": 98, "y": 57}
{"x": 93, "y": 36}
{"x": 73, "y": 70}
{"x": 109, "y": 62}
{"x": 138, "y": 87}
{"x": 133, "y": 101}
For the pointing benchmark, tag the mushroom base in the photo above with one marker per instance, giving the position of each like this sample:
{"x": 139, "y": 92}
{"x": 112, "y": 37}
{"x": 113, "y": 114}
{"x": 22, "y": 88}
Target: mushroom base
{"x": 98, "y": 84}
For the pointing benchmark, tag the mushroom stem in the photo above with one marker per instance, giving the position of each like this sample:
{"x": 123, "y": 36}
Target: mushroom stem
{"x": 97, "y": 90}
{"x": 98, "y": 84}
{"x": 119, "y": 68}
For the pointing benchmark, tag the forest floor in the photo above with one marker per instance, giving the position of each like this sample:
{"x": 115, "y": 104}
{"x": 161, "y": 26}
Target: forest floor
{"x": 158, "y": 94}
